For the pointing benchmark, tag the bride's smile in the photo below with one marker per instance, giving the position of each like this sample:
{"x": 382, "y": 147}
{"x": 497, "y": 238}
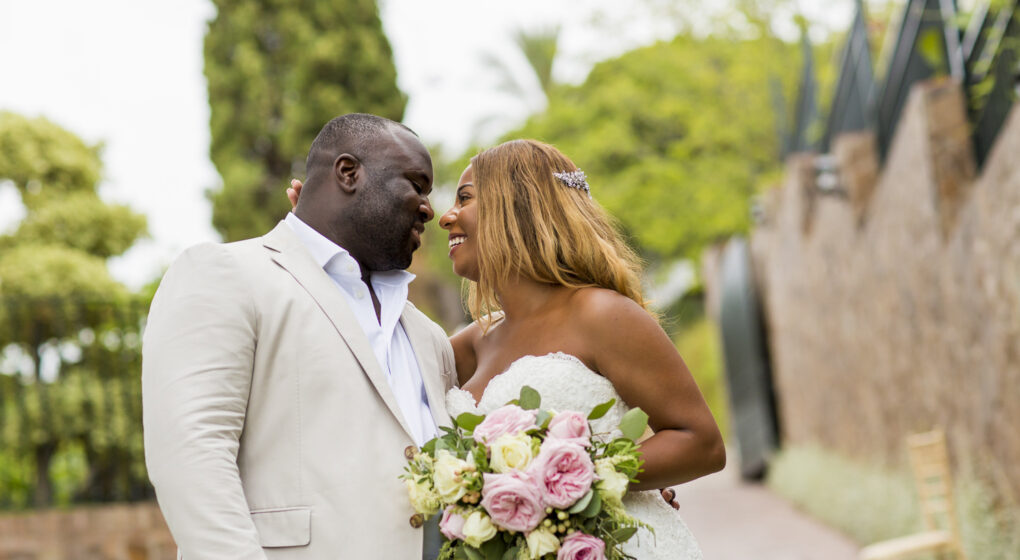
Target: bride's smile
{"x": 462, "y": 222}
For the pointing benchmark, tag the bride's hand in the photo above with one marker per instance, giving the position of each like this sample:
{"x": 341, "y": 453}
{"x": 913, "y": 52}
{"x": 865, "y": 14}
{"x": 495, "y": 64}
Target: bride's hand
{"x": 669, "y": 496}
{"x": 294, "y": 192}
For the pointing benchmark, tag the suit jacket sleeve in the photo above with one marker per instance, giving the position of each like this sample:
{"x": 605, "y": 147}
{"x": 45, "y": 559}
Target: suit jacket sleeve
{"x": 198, "y": 353}
{"x": 447, "y": 362}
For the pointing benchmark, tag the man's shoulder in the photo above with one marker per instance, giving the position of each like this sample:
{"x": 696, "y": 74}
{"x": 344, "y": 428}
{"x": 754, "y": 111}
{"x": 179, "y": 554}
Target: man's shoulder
{"x": 415, "y": 315}
{"x": 220, "y": 253}
{"x": 411, "y": 312}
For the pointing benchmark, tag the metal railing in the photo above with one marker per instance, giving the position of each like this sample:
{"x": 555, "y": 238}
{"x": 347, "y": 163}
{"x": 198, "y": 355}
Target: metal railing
{"x": 70, "y": 402}
{"x": 927, "y": 45}
{"x": 855, "y": 86}
{"x": 928, "y": 42}
{"x": 993, "y": 74}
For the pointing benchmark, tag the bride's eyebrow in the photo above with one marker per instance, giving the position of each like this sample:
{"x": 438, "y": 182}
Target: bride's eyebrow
{"x": 462, "y": 185}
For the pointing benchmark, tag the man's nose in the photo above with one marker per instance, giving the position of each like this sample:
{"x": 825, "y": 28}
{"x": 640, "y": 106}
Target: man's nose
{"x": 426, "y": 210}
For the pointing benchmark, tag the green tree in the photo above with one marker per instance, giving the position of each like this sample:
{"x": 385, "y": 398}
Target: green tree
{"x": 278, "y": 71}
{"x": 675, "y": 137}
{"x": 62, "y": 312}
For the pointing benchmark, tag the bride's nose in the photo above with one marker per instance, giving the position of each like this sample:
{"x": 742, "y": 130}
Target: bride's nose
{"x": 447, "y": 219}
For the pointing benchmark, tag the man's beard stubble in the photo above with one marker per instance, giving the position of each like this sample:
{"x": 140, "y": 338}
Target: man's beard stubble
{"x": 385, "y": 234}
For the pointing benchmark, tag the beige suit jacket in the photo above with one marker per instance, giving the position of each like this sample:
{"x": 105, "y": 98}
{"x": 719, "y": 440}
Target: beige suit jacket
{"x": 270, "y": 428}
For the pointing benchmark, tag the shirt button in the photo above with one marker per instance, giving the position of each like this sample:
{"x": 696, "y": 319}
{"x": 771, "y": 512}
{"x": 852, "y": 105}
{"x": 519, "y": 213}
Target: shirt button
{"x": 360, "y": 294}
{"x": 350, "y": 267}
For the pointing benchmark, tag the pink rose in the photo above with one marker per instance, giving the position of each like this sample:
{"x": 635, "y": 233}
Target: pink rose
{"x": 513, "y": 501}
{"x": 452, "y": 524}
{"x": 579, "y": 546}
{"x": 570, "y": 426}
{"x": 564, "y": 472}
{"x": 508, "y": 419}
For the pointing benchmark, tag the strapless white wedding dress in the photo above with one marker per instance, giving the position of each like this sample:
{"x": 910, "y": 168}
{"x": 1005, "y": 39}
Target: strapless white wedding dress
{"x": 565, "y": 383}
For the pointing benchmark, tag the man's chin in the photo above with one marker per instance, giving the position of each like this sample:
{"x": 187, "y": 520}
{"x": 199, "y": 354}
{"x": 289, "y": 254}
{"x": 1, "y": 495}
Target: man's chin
{"x": 401, "y": 262}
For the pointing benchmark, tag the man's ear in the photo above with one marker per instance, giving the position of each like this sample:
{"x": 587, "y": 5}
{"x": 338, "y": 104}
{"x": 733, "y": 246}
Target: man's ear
{"x": 347, "y": 169}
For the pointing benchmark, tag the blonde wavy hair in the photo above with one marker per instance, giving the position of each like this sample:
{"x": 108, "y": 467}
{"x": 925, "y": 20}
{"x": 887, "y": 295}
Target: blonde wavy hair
{"x": 531, "y": 225}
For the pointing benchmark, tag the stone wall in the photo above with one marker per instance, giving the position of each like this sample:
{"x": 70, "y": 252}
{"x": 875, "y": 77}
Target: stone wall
{"x": 115, "y": 532}
{"x": 893, "y": 300}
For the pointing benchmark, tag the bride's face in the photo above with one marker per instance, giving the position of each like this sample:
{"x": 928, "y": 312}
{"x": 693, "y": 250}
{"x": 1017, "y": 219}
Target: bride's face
{"x": 462, "y": 223}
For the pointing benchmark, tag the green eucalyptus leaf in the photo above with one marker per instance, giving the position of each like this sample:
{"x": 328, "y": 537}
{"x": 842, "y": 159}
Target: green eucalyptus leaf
{"x": 441, "y": 445}
{"x": 600, "y": 410}
{"x": 468, "y": 422}
{"x": 430, "y": 446}
{"x": 511, "y": 553}
{"x": 542, "y": 421}
{"x": 530, "y": 399}
{"x": 623, "y": 534}
{"x": 594, "y": 506}
{"x": 473, "y": 553}
{"x": 633, "y": 423}
{"x": 579, "y": 506}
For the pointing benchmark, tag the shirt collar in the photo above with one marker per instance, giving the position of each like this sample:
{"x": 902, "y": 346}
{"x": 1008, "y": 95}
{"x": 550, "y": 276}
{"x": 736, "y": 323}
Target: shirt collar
{"x": 332, "y": 257}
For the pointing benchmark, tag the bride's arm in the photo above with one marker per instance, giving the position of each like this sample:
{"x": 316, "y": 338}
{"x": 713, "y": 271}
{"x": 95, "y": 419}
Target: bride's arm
{"x": 630, "y": 349}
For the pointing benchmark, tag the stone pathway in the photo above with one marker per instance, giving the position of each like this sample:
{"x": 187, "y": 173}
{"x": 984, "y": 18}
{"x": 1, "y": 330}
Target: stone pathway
{"x": 734, "y": 520}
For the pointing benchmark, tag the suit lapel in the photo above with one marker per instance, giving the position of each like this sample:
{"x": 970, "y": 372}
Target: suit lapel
{"x": 431, "y": 374}
{"x": 287, "y": 251}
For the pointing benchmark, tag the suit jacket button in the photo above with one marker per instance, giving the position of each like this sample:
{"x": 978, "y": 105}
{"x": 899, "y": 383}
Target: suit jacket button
{"x": 409, "y": 452}
{"x": 417, "y": 520}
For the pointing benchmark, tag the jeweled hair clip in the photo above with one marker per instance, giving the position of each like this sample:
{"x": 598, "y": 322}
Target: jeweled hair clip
{"x": 574, "y": 180}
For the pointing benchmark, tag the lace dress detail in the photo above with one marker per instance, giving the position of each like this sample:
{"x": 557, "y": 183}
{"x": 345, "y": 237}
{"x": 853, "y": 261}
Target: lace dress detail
{"x": 565, "y": 383}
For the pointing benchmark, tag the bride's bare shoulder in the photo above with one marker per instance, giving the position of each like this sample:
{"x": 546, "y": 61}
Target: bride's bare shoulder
{"x": 607, "y": 318}
{"x": 601, "y": 303}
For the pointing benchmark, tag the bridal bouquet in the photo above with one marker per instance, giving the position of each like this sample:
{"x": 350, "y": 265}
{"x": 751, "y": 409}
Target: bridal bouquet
{"x": 525, "y": 483}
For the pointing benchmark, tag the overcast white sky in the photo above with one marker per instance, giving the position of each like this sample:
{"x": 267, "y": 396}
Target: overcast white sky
{"x": 129, "y": 74}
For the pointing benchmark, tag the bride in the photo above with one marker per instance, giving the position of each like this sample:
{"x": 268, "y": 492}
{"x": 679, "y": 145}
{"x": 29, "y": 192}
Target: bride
{"x": 556, "y": 298}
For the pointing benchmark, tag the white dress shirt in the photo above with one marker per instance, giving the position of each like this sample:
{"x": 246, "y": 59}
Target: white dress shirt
{"x": 385, "y": 333}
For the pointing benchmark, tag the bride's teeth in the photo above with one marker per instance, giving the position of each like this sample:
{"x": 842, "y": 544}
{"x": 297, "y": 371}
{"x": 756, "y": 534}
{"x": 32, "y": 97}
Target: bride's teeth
{"x": 456, "y": 241}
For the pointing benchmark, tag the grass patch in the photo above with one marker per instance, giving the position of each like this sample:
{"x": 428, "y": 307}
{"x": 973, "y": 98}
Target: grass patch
{"x": 871, "y": 504}
{"x": 698, "y": 342}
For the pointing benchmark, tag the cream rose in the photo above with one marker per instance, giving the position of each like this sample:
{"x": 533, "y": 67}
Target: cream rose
{"x": 542, "y": 541}
{"x": 511, "y": 452}
{"x": 477, "y": 529}
{"x": 423, "y": 497}
{"x": 612, "y": 485}
{"x": 446, "y": 476}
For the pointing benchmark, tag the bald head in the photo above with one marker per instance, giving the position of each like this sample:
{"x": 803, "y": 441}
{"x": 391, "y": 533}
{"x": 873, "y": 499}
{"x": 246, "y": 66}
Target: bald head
{"x": 353, "y": 133}
{"x": 366, "y": 189}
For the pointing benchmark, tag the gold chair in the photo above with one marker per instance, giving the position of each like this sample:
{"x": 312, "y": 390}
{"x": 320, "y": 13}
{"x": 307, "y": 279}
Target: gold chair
{"x": 941, "y": 535}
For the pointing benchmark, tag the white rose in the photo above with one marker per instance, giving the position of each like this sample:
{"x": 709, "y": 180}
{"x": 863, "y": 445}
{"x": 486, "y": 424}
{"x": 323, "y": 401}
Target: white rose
{"x": 446, "y": 476}
{"x": 511, "y": 452}
{"x": 477, "y": 529}
{"x": 612, "y": 484}
{"x": 423, "y": 497}
{"x": 542, "y": 541}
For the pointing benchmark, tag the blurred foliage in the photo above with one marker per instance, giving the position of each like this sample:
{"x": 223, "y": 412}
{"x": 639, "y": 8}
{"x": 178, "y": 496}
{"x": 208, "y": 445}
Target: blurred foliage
{"x": 675, "y": 137}
{"x": 45, "y": 161}
{"x": 82, "y": 222}
{"x": 698, "y": 344}
{"x": 871, "y": 504}
{"x": 277, "y": 72}
{"x": 538, "y": 49}
{"x": 69, "y": 333}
